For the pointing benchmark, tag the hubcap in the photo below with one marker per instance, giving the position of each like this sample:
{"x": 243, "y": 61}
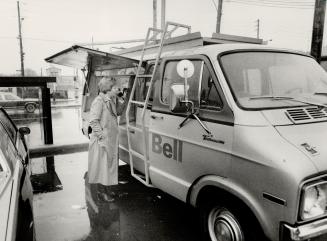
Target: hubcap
{"x": 223, "y": 226}
{"x": 30, "y": 108}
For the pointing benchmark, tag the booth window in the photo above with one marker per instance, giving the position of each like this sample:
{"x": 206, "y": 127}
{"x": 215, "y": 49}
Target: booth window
{"x": 171, "y": 77}
{"x": 208, "y": 95}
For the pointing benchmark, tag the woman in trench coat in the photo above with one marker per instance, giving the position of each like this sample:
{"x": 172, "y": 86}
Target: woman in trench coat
{"x": 103, "y": 147}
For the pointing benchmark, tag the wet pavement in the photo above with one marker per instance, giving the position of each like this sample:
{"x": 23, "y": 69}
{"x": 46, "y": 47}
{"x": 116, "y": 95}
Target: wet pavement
{"x": 127, "y": 211}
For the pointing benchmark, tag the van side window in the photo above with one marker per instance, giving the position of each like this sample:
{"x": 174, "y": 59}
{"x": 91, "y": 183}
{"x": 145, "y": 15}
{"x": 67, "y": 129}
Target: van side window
{"x": 171, "y": 77}
{"x": 147, "y": 83}
{"x": 209, "y": 97}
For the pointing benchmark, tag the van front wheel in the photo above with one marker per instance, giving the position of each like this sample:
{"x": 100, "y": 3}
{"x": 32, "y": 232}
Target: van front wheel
{"x": 221, "y": 223}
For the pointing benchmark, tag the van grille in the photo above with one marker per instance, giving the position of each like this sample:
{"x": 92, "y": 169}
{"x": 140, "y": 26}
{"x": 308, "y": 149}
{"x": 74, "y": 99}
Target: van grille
{"x": 309, "y": 114}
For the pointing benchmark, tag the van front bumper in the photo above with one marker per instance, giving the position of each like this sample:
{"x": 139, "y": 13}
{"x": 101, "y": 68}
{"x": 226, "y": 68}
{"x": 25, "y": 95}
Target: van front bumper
{"x": 315, "y": 231}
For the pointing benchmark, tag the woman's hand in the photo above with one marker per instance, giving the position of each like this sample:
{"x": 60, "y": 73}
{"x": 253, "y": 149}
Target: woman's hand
{"x": 100, "y": 137}
{"x": 114, "y": 91}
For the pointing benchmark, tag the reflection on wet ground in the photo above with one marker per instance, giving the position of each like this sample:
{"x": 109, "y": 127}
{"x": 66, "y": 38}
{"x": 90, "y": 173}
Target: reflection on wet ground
{"x": 102, "y": 211}
{"x": 128, "y": 211}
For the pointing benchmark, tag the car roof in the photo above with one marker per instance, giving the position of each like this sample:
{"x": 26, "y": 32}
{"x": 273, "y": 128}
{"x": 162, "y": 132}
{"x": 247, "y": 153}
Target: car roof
{"x": 216, "y": 49}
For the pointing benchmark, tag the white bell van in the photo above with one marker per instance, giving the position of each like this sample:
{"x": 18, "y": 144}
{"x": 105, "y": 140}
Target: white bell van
{"x": 233, "y": 127}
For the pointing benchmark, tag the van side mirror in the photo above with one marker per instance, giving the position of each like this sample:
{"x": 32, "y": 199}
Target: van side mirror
{"x": 24, "y": 130}
{"x": 176, "y": 97}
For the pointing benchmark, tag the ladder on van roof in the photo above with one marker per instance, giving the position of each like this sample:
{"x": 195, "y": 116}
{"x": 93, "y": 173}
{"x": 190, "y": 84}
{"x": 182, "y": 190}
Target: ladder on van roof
{"x": 150, "y": 42}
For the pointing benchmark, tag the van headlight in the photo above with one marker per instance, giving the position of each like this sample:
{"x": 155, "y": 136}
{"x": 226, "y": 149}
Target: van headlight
{"x": 314, "y": 200}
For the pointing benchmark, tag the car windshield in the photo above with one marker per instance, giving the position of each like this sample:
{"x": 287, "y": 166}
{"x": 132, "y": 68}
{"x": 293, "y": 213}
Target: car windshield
{"x": 256, "y": 78}
{"x": 11, "y": 97}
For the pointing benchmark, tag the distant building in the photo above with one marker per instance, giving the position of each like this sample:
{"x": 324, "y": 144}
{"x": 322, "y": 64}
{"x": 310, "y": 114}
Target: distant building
{"x": 66, "y": 87}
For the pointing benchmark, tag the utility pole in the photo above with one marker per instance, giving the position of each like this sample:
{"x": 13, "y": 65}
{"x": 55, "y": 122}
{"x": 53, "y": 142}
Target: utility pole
{"x": 163, "y": 14}
{"x": 258, "y": 28}
{"x": 154, "y": 13}
{"x": 318, "y": 29}
{"x": 219, "y": 14}
{"x": 20, "y": 41}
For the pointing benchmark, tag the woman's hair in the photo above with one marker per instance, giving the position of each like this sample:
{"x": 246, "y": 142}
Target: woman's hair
{"x": 104, "y": 84}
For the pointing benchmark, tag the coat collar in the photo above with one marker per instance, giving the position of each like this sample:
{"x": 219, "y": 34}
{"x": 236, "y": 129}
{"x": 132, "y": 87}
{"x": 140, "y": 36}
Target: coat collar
{"x": 110, "y": 103}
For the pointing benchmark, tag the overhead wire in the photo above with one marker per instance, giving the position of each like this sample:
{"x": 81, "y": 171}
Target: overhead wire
{"x": 39, "y": 39}
{"x": 273, "y": 6}
{"x": 278, "y": 2}
{"x": 261, "y": 4}
{"x": 215, "y": 4}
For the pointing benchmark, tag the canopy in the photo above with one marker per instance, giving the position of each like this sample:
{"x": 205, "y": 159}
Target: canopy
{"x": 78, "y": 57}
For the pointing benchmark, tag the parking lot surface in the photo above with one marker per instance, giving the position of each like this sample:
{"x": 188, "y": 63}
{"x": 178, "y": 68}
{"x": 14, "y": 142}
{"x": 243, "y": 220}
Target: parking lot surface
{"x": 128, "y": 211}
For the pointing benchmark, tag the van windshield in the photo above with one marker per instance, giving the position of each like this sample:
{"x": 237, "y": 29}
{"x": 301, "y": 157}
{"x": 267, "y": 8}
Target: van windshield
{"x": 255, "y": 77}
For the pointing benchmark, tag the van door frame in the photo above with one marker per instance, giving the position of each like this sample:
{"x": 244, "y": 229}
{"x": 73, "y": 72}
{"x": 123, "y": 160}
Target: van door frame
{"x": 221, "y": 121}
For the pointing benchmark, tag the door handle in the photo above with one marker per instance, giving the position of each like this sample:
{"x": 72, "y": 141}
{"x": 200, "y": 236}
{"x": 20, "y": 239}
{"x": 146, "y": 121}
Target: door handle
{"x": 132, "y": 131}
{"x": 155, "y": 117}
{"x": 211, "y": 138}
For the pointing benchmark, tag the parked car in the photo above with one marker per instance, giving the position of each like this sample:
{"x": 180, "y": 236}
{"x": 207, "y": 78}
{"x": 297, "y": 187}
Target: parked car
{"x": 10, "y": 100}
{"x": 16, "y": 193}
{"x": 59, "y": 94}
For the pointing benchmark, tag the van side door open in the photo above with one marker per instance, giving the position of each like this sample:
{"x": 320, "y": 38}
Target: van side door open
{"x": 94, "y": 64}
{"x": 176, "y": 154}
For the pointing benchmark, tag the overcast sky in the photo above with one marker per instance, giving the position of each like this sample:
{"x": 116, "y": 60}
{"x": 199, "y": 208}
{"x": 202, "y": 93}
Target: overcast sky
{"x": 50, "y": 26}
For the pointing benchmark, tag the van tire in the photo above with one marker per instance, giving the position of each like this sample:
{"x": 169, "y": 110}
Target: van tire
{"x": 235, "y": 221}
{"x": 30, "y": 108}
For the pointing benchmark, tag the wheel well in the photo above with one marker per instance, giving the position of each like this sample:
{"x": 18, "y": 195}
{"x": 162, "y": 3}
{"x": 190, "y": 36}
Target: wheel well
{"x": 30, "y": 103}
{"x": 212, "y": 194}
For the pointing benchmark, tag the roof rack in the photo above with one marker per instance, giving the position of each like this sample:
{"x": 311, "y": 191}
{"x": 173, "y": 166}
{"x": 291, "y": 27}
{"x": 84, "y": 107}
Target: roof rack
{"x": 235, "y": 39}
{"x": 188, "y": 41}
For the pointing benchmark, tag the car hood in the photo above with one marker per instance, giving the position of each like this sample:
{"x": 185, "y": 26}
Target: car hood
{"x": 310, "y": 139}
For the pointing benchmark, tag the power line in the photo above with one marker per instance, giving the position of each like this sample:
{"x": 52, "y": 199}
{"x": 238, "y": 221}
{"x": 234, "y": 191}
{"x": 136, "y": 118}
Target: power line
{"x": 38, "y": 39}
{"x": 215, "y": 4}
{"x": 272, "y": 5}
{"x": 281, "y": 3}
{"x": 50, "y": 40}
{"x": 276, "y": 2}
{"x": 269, "y": 5}
{"x": 7, "y": 37}
{"x": 282, "y": 29}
